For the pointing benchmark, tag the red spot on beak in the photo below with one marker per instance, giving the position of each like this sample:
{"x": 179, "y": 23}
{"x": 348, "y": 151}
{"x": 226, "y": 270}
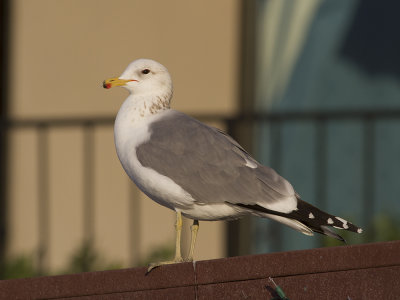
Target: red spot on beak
{"x": 106, "y": 85}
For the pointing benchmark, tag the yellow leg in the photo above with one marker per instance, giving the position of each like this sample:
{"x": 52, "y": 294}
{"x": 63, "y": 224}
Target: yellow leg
{"x": 178, "y": 255}
{"x": 178, "y": 229}
{"x": 195, "y": 229}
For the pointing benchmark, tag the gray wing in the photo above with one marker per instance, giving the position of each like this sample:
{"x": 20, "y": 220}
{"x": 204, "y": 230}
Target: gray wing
{"x": 208, "y": 164}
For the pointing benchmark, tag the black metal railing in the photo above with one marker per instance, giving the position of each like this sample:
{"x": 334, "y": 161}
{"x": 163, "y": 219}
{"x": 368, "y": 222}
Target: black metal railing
{"x": 368, "y": 120}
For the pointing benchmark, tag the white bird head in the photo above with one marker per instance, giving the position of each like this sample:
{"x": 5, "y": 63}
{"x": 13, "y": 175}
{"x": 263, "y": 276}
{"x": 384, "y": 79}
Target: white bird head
{"x": 144, "y": 77}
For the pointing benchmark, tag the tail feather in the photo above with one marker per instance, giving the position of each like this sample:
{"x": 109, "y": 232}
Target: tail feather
{"x": 317, "y": 219}
{"x": 312, "y": 217}
{"x": 329, "y": 232}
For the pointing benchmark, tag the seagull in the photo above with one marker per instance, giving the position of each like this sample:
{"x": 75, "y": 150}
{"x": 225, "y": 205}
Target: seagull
{"x": 197, "y": 170}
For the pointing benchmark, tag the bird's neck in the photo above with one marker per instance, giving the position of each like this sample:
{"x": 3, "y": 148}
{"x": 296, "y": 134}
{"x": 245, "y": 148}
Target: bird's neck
{"x": 134, "y": 117}
{"x": 142, "y": 106}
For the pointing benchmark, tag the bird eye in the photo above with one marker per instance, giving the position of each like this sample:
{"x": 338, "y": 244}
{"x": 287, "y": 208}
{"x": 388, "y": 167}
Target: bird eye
{"x": 146, "y": 71}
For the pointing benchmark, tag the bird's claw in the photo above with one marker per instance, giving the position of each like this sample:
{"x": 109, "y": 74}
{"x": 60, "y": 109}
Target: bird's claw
{"x": 152, "y": 266}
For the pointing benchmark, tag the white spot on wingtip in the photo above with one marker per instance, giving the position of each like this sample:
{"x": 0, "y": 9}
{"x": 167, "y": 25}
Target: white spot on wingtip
{"x": 359, "y": 230}
{"x": 330, "y": 221}
{"x": 250, "y": 164}
{"x": 311, "y": 216}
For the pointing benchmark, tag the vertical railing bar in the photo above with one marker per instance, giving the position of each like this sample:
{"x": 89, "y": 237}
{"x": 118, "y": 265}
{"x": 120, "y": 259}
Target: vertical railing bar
{"x": 43, "y": 197}
{"x": 4, "y": 193}
{"x": 276, "y": 164}
{"x": 134, "y": 223}
{"x": 233, "y": 227}
{"x": 88, "y": 186}
{"x": 369, "y": 169}
{"x": 6, "y": 26}
{"x": 320, "y": 166}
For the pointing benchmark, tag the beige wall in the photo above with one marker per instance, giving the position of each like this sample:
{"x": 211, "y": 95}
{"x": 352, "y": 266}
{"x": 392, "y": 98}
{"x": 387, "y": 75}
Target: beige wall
{"x": 61, "y": 51}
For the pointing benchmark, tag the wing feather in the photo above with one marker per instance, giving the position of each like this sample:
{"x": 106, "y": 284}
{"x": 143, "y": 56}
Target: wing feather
{"x": 209, "y": 164}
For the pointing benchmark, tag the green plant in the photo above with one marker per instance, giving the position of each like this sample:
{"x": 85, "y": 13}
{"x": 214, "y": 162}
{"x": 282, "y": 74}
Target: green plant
{"x": 19, "y": 266}
{"x": 86, "y": 259}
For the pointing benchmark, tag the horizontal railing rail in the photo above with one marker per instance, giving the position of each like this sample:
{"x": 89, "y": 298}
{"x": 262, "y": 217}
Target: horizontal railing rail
{"x": 257, "y": 116}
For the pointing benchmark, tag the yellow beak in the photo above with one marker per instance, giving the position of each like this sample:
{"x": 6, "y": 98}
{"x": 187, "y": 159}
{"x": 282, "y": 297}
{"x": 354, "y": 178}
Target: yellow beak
{"x": 111, "y": 82}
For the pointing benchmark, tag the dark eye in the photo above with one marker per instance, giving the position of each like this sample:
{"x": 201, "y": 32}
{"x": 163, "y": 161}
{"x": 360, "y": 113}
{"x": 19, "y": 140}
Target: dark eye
{"x": 146, "y": 71}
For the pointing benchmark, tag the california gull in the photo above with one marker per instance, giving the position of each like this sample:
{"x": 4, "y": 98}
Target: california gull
{"x": 197, "y": 170}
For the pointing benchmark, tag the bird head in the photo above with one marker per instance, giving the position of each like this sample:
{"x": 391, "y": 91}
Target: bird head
{"x": 142, "y": 77}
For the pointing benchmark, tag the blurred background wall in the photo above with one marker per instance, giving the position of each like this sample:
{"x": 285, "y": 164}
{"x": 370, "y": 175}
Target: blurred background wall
{"x": 309, "y": 87}
{"x": 59, "y": 54}
{"x": 330, "y": 70}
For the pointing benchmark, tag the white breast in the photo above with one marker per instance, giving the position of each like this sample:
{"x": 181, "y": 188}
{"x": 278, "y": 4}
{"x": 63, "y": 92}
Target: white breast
{"x": 132, "y": 129}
